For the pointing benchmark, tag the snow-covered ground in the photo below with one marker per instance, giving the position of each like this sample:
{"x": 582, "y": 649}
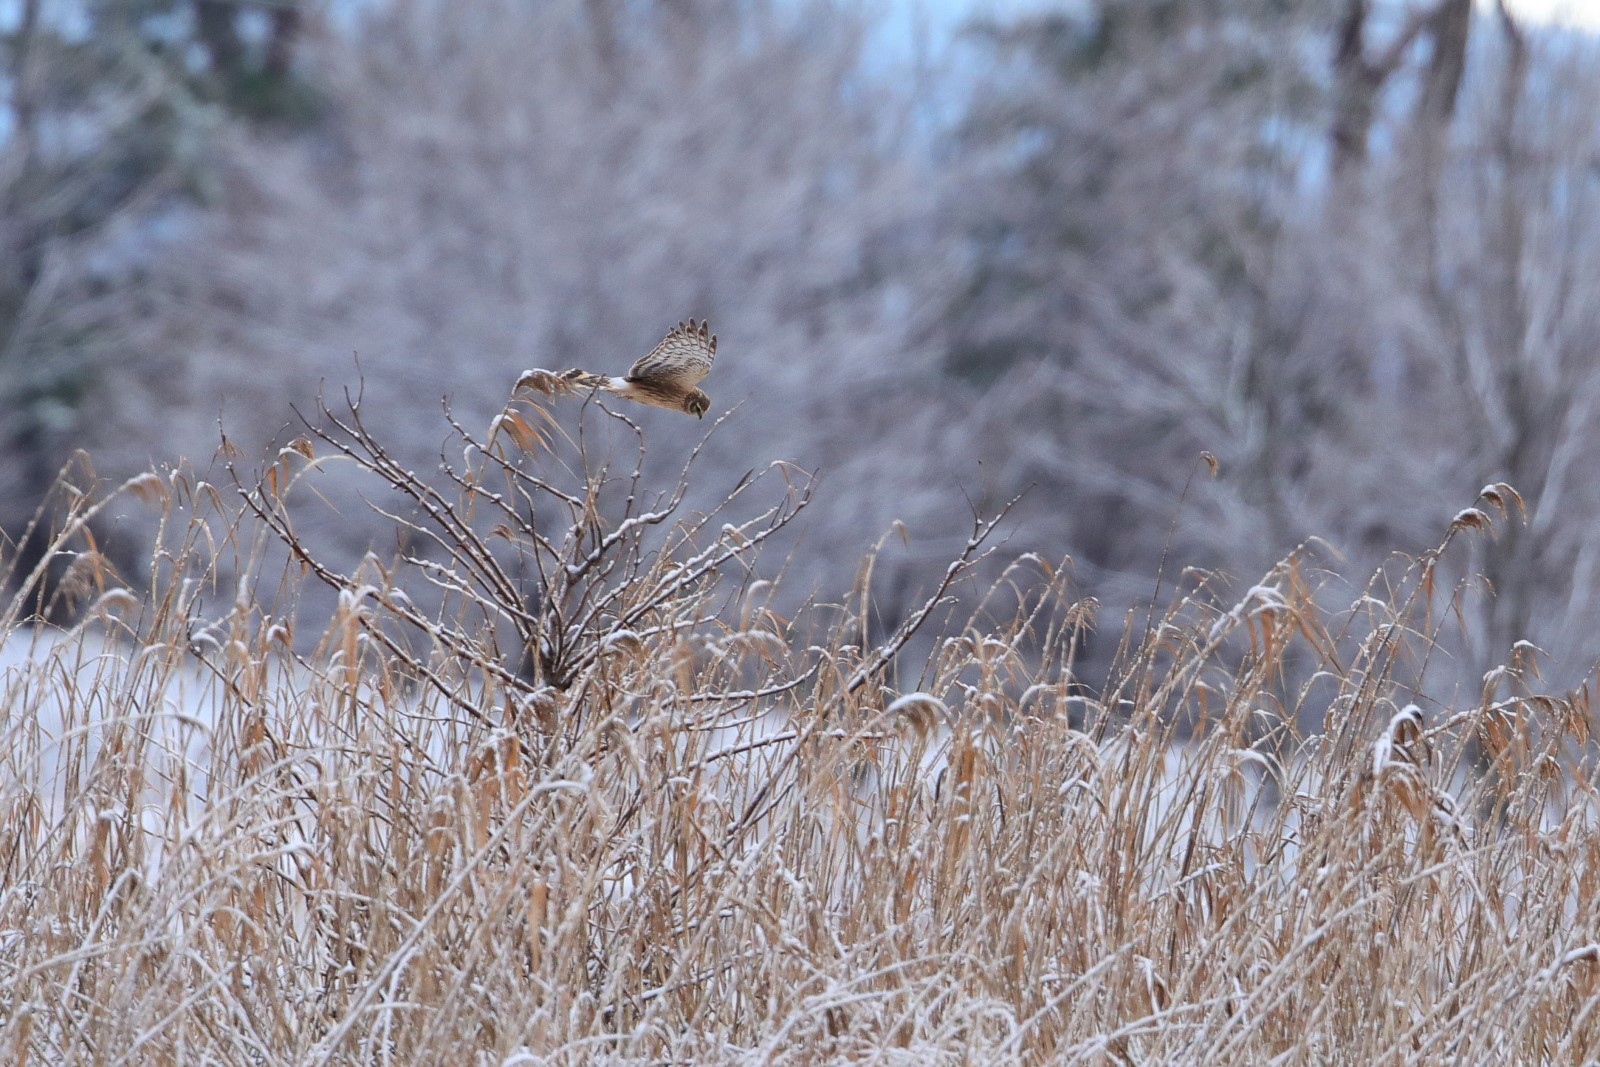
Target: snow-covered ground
{"x": 65, "y": 696}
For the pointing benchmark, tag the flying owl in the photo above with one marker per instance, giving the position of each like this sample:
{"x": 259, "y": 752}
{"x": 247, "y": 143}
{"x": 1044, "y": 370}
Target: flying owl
{"x": 668, "y": 376}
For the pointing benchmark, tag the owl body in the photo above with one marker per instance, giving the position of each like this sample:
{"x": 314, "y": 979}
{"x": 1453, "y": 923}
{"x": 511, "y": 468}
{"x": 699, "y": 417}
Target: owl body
{"x": 667, "y": 376}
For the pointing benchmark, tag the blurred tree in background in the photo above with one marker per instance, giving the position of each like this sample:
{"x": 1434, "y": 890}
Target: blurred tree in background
{"x": 1349, "y": 248}
{"x": 110, "y": 111}
{"x": 1341, "y": 251}
{"x": 1131, "y": 196}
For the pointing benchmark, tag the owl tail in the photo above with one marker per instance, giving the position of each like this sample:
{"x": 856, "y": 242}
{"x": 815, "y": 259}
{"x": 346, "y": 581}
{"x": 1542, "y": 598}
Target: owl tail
{"x": 585, "y": 380}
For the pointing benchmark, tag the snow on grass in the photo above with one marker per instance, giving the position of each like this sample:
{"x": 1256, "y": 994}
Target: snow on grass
{"x": 636, "y": 815}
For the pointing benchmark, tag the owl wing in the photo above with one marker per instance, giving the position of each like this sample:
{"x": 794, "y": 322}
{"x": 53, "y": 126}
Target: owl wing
{"x": 680, "y": 360}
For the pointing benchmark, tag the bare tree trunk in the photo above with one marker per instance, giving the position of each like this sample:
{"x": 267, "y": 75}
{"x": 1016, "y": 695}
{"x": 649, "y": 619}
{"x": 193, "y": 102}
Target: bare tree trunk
{"x": 1529, "y": 408}
{"x": 1448, "y": 26}
{"x": 1355, "y": 92}
{"x": 216, "y": 22}
{"x": 22, "y": 252}
{"x": 22, "y": 257}
{"x": 23, "y": 111}
{"x": 1359, "y": 80}
{"x": 602, "y": 17}
{"x": 1428, "y": 141}
{"x": 287, "y": 22}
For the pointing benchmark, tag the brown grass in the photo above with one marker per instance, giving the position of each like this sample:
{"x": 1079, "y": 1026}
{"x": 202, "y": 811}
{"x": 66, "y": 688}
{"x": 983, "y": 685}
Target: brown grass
{"x": 557, "y": 783}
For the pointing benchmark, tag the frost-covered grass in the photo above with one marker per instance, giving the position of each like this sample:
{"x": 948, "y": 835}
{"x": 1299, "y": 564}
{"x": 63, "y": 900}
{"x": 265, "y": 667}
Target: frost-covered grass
{"x": 560, "y": 783}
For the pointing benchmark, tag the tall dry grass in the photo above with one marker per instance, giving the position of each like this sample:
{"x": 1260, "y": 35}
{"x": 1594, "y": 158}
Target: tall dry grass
{"x": 556, "y": 782}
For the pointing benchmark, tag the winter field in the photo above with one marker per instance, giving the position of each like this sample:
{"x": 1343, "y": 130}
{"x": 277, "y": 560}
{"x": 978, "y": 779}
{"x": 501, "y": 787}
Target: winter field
{"x": 686, "y": 827}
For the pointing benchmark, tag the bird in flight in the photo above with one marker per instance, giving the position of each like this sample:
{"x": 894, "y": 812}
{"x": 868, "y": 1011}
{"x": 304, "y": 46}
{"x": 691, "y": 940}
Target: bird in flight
{"x": 668, "y": 376}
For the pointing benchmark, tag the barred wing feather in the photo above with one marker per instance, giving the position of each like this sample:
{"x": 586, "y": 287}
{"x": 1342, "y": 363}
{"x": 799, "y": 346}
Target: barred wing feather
{"x": 680, "y": 360}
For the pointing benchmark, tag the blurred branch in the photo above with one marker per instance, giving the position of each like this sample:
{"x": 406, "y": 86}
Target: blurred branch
{"x": 1360, "y": 77}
